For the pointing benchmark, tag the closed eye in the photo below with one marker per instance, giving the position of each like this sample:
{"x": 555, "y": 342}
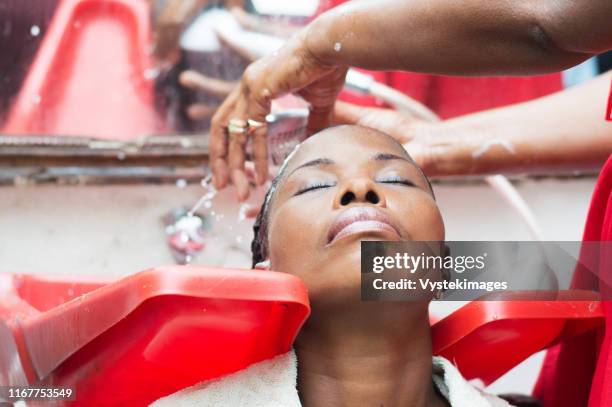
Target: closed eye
{"x": 397, "y": 180}
{"x": 314, "y": 186}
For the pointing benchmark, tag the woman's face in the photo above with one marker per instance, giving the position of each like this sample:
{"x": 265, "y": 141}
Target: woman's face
{"x": 345, "y": 185}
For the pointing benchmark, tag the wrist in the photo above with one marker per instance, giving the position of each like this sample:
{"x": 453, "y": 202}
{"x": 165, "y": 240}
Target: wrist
{"x": 453, "y": 149}
{"x": 319, "y": 40}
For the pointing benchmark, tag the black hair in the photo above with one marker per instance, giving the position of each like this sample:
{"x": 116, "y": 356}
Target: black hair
{"x": 259, "y": 244}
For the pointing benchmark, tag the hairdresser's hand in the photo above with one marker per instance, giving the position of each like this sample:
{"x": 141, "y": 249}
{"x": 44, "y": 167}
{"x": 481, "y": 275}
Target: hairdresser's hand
{"x": 414, "y": 134}
{"x": 292, "y": 69}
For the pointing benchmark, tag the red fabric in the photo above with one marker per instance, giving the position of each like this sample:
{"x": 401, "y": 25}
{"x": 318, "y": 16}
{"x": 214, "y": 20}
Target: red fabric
{"x": 609, "y": 109}
{"x": 579, "y": 372}
{"x": 451, "y": 96}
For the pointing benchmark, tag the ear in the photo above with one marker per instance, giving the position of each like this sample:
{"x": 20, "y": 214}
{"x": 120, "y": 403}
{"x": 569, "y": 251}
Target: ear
{"x": 263, "y": 265}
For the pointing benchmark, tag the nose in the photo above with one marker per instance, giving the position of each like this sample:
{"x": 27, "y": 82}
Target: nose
{"x": 359, "y": 191}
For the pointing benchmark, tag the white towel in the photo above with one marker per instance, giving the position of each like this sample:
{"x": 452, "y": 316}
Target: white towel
{"x": 272, "y": 383}
{"x": 458, "y": 391}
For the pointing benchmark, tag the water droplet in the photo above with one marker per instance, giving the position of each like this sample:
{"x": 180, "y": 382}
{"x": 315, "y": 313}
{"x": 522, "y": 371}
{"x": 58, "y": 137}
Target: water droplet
{"x": 205, "y": 181}
{"x": 207, "y": 197}
{"x": 242, "y": 212}
{"x": 70, "y": 292}
{"x": 238, "y": 239}
{"x": 337, "y": 47}
{"x": 181, "y": 183}
{"x": 183, "y": 237}
{"x": 36, "y": 99}
{"x": 120, "y": 156}
{"x": 35, "y": 30}
{"x": 151, "y": 73}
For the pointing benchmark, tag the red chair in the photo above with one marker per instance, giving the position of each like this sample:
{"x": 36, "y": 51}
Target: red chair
{"x": 91, "y": 75}
{"x": 485, "y": 339}
{"x": 145, "y": 336}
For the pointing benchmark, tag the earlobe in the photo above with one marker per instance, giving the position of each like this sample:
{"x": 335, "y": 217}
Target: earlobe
{"x": 263, "y": 265}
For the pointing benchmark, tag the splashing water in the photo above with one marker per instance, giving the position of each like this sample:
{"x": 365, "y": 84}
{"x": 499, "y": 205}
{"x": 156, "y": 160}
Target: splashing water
{"x": 242, "y": 212}
{"x": 206, "y": 199}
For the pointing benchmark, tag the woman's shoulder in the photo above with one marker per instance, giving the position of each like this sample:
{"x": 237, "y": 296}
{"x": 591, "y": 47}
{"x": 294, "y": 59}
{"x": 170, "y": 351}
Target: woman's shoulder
{"x": 457, "y": 390}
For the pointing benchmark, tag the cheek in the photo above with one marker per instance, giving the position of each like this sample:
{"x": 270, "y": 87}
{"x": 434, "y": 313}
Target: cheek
{"x": 293, "y": 239}
{"x": 423, "y": 220}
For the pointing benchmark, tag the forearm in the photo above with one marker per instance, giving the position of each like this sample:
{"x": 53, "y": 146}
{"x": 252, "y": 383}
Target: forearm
{"x": 446, "y": 37}
{"x": 562, "y": 132}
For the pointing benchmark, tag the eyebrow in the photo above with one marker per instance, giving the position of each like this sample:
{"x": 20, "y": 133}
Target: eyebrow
{"x": 388, "y": 157}
{"x": 313, "y": 163}
{"x": 327, "y": 161}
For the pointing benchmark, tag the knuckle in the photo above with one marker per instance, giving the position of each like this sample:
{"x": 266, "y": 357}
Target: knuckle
{"x": 216, "y": 120}
{"x": 252, "y": 74}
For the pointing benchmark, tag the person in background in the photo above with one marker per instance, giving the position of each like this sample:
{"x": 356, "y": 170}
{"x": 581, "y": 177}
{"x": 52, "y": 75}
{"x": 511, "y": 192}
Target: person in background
{"x": 171, "y": 18}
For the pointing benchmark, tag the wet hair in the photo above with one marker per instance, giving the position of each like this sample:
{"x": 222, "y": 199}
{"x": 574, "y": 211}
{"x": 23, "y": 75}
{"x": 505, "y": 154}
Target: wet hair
{"x": 259, "y": 244}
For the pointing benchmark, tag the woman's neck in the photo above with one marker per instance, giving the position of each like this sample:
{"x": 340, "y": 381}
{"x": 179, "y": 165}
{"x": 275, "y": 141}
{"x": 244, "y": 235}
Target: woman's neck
{"x": 372, "y": 354}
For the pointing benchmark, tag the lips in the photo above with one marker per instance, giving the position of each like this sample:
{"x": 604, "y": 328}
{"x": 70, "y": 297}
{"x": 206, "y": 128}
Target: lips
{"x": 362, "y": 220}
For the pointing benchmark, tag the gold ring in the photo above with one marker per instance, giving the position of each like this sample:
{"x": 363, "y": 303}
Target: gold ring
{"x": 238, "y": 126}
{"x": 238, "y": 122}
{"x": 254, "y": 124}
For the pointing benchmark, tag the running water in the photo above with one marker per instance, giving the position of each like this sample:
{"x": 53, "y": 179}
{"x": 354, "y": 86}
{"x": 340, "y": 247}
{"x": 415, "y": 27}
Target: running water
{"x": 206, "y": 199}
{"x": 242, "y": 212}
